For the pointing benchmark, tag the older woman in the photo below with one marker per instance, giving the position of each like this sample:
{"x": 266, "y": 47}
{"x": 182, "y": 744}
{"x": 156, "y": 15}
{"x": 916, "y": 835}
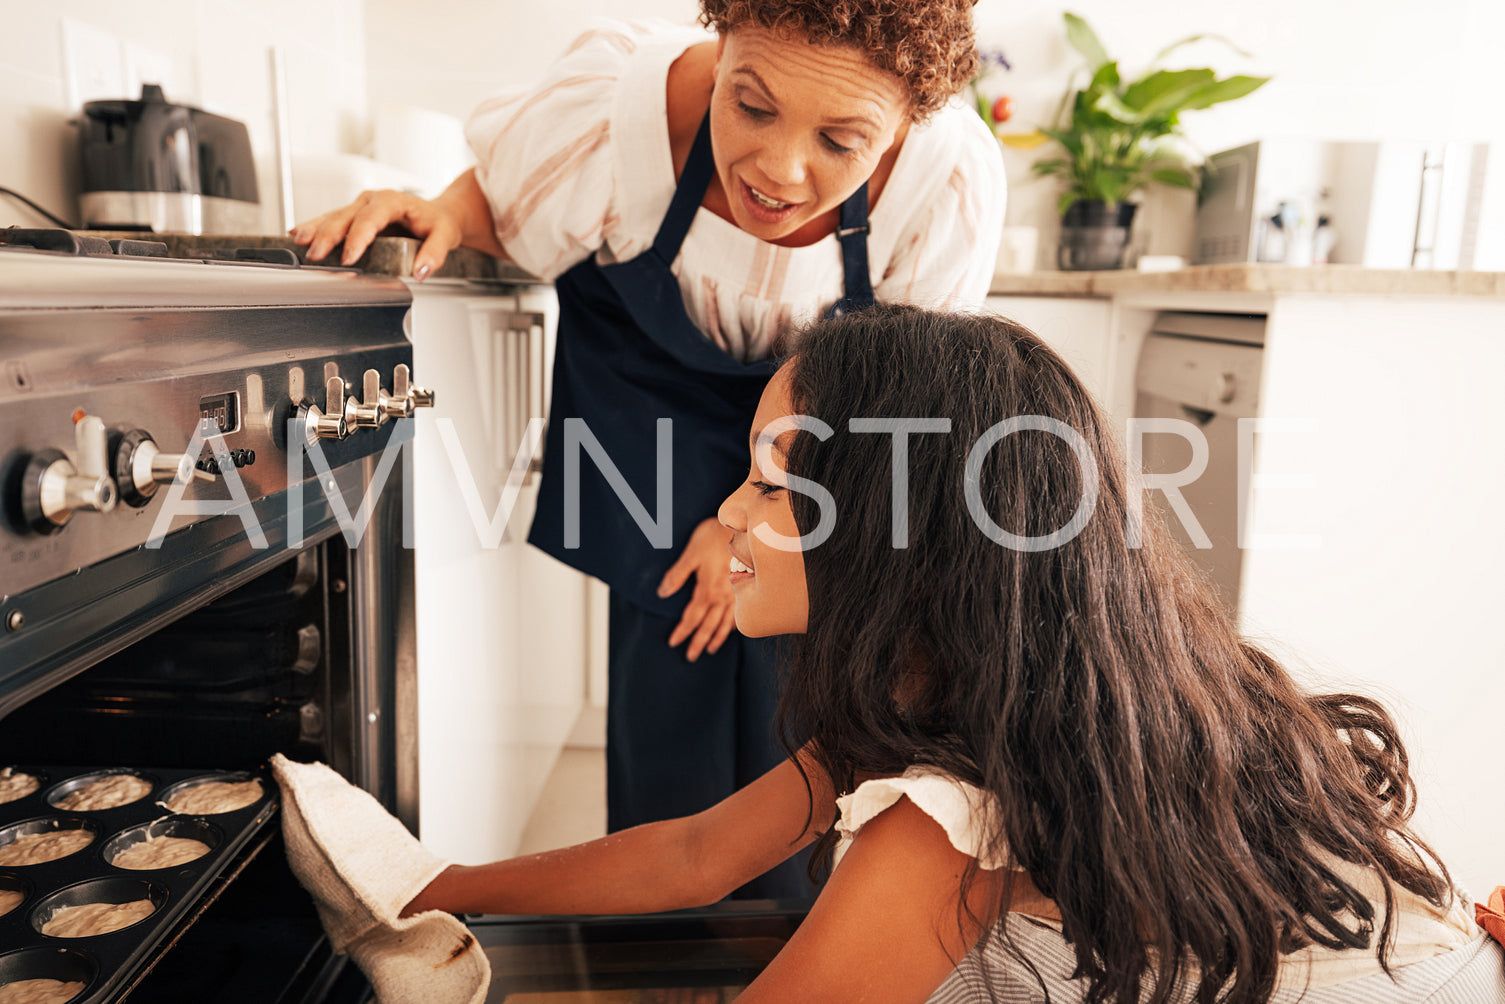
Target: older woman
{"x": 692, "y": 197}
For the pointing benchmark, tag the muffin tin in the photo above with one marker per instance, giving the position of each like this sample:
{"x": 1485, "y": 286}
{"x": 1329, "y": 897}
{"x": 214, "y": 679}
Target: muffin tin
{"x": 105, "y": 962}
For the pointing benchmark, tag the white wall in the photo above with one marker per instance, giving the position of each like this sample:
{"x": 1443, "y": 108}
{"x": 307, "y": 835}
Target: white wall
{"x": 1342, "y": 69}
{"x": 449, "y": 57}
{"x": 210, "y": 53}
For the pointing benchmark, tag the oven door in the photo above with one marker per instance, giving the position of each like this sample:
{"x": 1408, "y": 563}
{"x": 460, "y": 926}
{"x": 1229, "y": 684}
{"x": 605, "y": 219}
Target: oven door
{"x": 702, "y": 956}
{"x": 207, "y": 655}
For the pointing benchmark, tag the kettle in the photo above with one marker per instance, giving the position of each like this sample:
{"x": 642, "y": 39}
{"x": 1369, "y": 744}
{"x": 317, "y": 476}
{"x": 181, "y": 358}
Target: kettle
{"x": 169, "y": 168}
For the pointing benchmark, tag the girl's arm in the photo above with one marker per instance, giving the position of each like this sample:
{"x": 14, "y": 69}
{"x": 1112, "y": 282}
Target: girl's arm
{"x": 886, "y": 926}
{"x": 669, "y": 865}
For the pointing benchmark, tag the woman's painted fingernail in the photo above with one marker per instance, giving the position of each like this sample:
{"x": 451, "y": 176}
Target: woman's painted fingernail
{"x": 422, "y": 271}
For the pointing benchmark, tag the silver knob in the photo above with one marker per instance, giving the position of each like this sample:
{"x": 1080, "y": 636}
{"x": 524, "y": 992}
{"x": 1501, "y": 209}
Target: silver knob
{"x": 329, "y": 423}
{"x": 420, "y": 397}
{"x": 371, "y": 411}
{"x": 54, "y": 488}
{"x": 140, "y": 466}
{"x": 400, "y": 405}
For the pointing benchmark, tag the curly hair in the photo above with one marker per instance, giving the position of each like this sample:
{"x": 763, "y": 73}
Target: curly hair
{"x": 927, "y": 44}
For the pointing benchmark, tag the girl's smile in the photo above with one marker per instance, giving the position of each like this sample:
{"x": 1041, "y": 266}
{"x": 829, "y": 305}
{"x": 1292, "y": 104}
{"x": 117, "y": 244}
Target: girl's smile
{"x": 768, "y": 581}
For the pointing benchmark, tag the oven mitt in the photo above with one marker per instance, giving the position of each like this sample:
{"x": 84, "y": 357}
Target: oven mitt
{"x": 362, "y": 867}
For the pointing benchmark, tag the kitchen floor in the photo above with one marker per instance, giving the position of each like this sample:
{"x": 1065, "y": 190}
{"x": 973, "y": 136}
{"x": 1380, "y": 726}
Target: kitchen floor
{"x": 572, "y": 807}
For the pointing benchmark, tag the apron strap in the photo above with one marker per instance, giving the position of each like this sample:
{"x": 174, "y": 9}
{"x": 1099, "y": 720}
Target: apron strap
{"x": 688, "y": 194}
{"x": 851, "y": 232}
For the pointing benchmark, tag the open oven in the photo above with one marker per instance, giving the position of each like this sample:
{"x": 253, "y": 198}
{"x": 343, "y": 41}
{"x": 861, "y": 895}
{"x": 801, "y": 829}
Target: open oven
{"x": 202, "y": 563}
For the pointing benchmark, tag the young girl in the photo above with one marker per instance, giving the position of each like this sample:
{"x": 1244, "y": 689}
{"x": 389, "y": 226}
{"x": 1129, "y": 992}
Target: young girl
{"x": 1041, "y": 762}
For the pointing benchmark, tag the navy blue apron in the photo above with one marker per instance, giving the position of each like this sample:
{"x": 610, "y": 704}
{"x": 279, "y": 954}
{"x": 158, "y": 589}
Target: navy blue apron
{"x": 628, "y": 355}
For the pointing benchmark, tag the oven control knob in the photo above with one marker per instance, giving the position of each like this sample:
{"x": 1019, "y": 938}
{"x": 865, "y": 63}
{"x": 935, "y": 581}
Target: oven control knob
{"x": 140, "y": 466}
{"x": 406, "y": 397}
{"x": 53, "y": 487}
{"x": 420, "y": 397}
{"x": 329, "y": 423}
{"x": 371, "y": 411}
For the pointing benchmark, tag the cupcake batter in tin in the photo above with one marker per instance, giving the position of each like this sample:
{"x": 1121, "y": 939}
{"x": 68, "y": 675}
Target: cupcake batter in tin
{"x": 214, "y": 797}
{"x": 14, "y": 784}
{"x": 106, "y": 793}
{"x": 35, "y": 848}
{"x": 93, "y": 919}
{"x": 39, "y": 992}
{"x": 160, "y": 852}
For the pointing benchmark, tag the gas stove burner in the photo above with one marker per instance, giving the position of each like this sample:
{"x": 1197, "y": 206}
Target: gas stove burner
{"x": 68, "y": 242}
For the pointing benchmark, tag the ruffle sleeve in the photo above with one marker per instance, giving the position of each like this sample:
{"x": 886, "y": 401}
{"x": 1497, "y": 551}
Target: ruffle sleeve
{"x": 544, "y": 157}
{"x": 944, "y": 256}
{"x": 961, "y": 809}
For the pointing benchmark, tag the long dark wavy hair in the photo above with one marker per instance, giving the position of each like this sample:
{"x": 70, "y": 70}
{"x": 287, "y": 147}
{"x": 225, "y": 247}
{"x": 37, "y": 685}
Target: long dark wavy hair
{"x": 1159, "y": 777}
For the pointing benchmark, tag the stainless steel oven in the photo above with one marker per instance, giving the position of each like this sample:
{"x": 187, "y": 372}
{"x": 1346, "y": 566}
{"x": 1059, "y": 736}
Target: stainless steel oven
{"x": 202, "y": 562}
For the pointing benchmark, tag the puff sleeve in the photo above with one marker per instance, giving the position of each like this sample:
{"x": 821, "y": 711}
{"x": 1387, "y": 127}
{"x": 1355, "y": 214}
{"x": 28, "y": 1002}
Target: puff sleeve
{"x": 945, "y": 252}
{"x": 544, "y": 157}
{"x": 961, "y": 809}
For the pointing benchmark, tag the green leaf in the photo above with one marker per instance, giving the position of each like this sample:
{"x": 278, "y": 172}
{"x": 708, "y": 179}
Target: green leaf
{"x": 1112, "y": 106}
{"x": 1174, "y": 176}
{"x": 1058, "y": 166}
{"x": 1227, "y": 89}
{"x": 1105, "y": 79}
{"x": 1146, "y": 90}
{"x": 1197, "y": 38}
{"x": 1084, "y": 40}
{"x": 1068, "y": 138}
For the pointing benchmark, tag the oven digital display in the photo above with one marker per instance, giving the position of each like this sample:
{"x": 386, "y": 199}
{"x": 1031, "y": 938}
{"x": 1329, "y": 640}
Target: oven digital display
{"x": 224, "y": 409}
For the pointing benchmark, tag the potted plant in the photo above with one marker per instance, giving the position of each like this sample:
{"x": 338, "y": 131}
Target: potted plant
{"x": 1121, "y": 135}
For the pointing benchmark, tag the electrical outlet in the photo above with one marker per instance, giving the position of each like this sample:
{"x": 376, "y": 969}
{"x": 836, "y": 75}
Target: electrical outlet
{"x": 141, "y": 64}
{"x": 92, "y": 62}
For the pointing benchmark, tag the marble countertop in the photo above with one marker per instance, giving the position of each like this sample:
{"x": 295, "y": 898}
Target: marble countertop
{"x": 394, "y": 256}
{"x": 1243, "y": 278}
{"x": 385, "y": 256}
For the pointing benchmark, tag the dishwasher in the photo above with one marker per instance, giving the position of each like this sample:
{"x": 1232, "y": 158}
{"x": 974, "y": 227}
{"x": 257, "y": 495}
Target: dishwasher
{"x": 1202, "y": 369}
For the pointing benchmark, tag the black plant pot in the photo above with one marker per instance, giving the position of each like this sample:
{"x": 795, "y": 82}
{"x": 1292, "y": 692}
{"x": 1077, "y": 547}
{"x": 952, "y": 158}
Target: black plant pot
{"x": 1094, "y": 235}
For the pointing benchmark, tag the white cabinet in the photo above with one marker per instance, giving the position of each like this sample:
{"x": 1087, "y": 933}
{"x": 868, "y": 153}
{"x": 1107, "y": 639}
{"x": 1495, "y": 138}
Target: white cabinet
{"x": 1076, "y": 327}
{"x": 501, "y": 627}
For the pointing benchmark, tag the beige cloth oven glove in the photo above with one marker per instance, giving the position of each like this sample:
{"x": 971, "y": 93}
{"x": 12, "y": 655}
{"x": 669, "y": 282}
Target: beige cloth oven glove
{"x": 362, "y": 867}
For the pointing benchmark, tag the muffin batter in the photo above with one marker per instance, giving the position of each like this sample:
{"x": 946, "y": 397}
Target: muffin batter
{"x": 9, "y": 900}
{"x": 160, "y": 852}
{"x": 213, "y": 797}
{"x": 93, "y": 919}
{"x": 14, "y": 784}
{"x": 35, "y": 848}
{"x": 39, "y": 992}
{"x": 106, "y": 793}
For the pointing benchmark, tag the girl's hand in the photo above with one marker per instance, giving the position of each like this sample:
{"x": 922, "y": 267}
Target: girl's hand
{"x": 372, "y": 212}
{"x": 711, "y": 613}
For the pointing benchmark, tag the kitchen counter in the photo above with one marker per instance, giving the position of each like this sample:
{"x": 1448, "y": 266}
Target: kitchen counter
{"x": 1245, "y": 278}
{"x": 385, "y": 256}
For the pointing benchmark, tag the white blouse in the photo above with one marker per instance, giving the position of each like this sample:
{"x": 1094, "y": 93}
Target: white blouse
{"x": 962, "y": 810}
{"x": 581, "y": 165}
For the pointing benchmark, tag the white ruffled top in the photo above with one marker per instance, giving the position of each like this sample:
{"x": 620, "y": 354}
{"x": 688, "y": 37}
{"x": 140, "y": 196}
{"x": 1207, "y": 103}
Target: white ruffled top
{"x": 1422, "y": 930}
{"x": 960, "y": 808}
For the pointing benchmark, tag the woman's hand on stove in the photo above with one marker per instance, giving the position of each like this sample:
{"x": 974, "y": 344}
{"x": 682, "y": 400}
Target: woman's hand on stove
{"x": 711, "y": 613}
{"x": 459, "y": 216}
